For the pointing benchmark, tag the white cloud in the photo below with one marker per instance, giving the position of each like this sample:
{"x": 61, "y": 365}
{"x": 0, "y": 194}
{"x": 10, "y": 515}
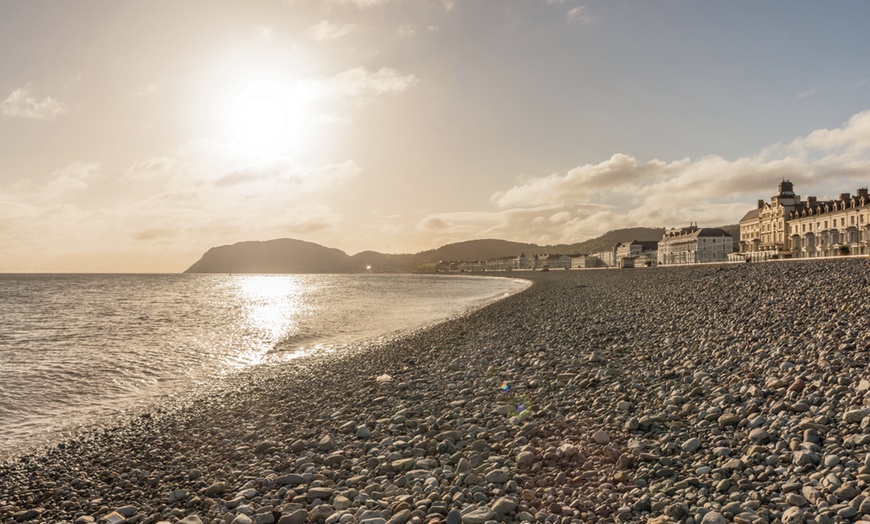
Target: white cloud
{"x": 265, "y": 32}
{"x": 407, "y": 31}
{"x": 72, "y": 80}
{"x": 326, "y": 30}
{"x": 331, "y": 119}
{"x": 21, "y": 103}
{"x": 148, "y": 90}
{"x": 851, "y": 139}
{"x": 621, "y": 191}
{"x": 806, "y": 94}
{"x": 361, "y": 4}
{"x": 357, "y": 83}
{"x": 205, "y": 193}
{"x": 579, "y": 14}
{"x": 66, "y": 182}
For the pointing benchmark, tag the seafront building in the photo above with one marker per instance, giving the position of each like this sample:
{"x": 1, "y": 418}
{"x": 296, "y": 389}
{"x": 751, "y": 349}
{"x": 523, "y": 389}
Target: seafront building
{"x": 694, "y": 245}
{"x": 788, "y": 227}
{"x": 639, "y": 252}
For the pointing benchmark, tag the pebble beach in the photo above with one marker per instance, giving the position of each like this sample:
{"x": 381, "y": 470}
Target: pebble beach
{"x": 698, "y": 395}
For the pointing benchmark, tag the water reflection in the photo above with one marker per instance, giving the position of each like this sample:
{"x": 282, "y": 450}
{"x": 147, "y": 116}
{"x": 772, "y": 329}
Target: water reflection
{"x": 273, "y": 306}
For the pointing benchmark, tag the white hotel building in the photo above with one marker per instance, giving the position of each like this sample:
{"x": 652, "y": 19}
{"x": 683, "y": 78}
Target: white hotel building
{"x": 788, "y": 227}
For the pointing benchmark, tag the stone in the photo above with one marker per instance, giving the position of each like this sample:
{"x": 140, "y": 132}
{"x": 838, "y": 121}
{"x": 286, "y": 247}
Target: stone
{"x": 497, "y": 476}
{"x": 692, "y": 445}
{"x": 854, "y": 415}
{"x": 759, "y": 436}
{"x": 847, "y": 513}
{"x": 713, "y": 517}
{"x": 504, "y": 505}
{"x": 112, "y": 518}
{"x": 321, "y": 511}
{"x": 795, "y": 499}
{"x": 267, "y": 446}
{"x": 292, "y": 479}
{"x": 525, "y": 459}
{"x": 191, "y": 519}
{"x": 793, "y": 515}
{"x": 176, "y": 495}
{"x": 478, "y": 516}
{"x": 241, "y": 518}
{"x": 215, "y": 490}
{"x": 296, "y": 517}
{"x": 264, "y": 518}
{"x": 454, "y": 517}
{"x": 327, "y": 443}
{"x": 729, "y": 419}
{"x": 320, "y": 493}
{"x": 600, "y": 437}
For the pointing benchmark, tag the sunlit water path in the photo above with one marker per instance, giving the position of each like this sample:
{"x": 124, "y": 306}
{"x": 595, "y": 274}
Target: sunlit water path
{"x": 73, "y": 347}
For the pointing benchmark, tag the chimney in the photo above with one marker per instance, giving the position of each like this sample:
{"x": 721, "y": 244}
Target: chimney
{"x": 845, "y": 196}
{"x": 811, "y": 201}
{"x": 760, "y": 203}
{"x": 862, "y": 192}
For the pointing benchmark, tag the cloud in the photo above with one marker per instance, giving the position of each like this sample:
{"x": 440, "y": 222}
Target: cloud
{"x": 852, "y": 139}
{"x": 622, "y": 191}
{"x": 265, "y": 32}
{"x": 283, "y": 172}
{"x": 806, "y": 94}
{"x": 357, "y": 83}
{"x": 361, "y": 4}
{"x": 148, "y": 90}
{"x": 326, "y": 30}
{"x": 72, "y": 80}
{"x": 406, "y": 31}
{"x": 21, "y": 103}
{"x": 66, "y": 182}
{"x": 331, "y": 119}
{"x": 579, "y": 14}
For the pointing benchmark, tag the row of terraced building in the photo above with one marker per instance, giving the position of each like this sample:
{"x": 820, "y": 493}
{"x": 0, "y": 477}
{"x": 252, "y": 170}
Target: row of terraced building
{"x": 788, "y": 227}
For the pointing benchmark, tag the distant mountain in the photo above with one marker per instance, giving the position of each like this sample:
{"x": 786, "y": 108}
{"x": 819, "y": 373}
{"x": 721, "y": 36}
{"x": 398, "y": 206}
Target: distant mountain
{"x": 296, "y": 256}
{"x": 273, "y": 256}
{"x": 611, "y": 238}
{"x": 733, "y": 230}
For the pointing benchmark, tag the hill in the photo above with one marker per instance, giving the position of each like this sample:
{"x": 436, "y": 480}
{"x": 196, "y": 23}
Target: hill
{"x": 611, "y": 238}
{"x": 296, "y": 256}
{"x": 273, "y": 256}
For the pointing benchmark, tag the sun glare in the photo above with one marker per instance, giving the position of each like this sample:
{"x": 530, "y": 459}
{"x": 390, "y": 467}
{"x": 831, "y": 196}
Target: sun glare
{"x": 266, "y": 119}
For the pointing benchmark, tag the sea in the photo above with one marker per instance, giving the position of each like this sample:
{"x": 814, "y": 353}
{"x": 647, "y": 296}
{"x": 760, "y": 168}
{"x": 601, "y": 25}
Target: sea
{"x": 76, "y": 347}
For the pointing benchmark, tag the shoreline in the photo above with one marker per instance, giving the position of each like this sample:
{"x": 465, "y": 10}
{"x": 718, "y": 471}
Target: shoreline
{"x": 25, "y": 435}
{"x": 587, "y": 397}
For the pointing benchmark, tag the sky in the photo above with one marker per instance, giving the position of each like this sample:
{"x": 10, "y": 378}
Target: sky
{"x": 135, "y": 135}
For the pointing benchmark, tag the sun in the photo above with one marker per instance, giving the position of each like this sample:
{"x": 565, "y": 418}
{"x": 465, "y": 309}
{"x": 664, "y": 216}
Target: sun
{"x": 266, "y": 118}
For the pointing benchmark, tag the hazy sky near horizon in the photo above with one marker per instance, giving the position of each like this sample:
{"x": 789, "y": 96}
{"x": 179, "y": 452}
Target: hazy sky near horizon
{"x": 136, "y": 135}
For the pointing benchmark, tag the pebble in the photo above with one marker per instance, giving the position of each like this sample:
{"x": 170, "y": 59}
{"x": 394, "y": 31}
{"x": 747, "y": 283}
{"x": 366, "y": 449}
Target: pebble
{"x": 711, "y": 413}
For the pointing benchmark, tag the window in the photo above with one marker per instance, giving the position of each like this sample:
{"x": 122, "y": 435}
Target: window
{"x": 826, "y": 224}
{"x": 843, "y": 221}
{"x": 852, "y": 219}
